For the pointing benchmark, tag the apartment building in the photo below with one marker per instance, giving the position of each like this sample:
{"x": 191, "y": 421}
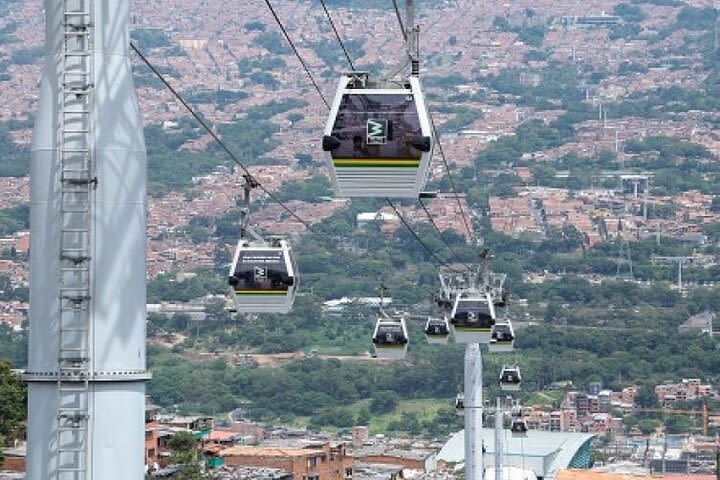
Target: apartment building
{"x": 317, "y": 461}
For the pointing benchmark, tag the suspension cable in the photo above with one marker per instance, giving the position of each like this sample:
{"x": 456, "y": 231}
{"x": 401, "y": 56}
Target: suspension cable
{"x": 337, "y": 35}
{"x": 437, "y": 139}
{"x": 399, "y": 19}
{"x": 437, "y": 259}
{"x": 215, "y": 137}
{"x": 451, "y": 179}
{"x": 297, "y": 53}
{"x": 440, "y": 235}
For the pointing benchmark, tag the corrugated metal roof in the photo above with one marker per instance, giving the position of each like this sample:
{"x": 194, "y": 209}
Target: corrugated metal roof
{"x": 270, "y": 452}
{"x": 556, "y": 449}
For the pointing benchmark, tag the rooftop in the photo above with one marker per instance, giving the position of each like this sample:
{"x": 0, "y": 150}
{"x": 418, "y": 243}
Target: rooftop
{"x": 270, "y": 452}
{"x": 544, "y": 452}
{"x": 597, "y": 475}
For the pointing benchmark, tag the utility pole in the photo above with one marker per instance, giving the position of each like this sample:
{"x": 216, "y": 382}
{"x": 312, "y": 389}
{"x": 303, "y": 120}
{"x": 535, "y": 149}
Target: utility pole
{"x": 680, "y": 262}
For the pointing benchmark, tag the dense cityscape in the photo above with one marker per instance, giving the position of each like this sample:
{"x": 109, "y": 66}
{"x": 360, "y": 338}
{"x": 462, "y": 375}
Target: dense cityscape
{"x": 582, "y": 141}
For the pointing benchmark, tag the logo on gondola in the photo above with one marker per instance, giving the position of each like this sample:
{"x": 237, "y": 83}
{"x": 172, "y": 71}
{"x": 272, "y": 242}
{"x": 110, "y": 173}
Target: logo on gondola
{"x": 377, "y": 132}
{"x": 260, "y": 273}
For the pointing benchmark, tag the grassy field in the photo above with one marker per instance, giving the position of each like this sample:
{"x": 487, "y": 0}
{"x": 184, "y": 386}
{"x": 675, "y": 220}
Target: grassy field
{"x": 548, "y": 397}
{"x": 425, "y": 409}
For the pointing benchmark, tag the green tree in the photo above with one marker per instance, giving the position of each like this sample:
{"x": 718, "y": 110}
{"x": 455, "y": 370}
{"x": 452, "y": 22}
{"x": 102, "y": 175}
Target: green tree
{"x": 13, "y": 401}
{"x": 629, "y": 13}
{"x": 363, "y": 417}
{"x": 646, "y": 397}
{"x": 411, "y": 423}
{"x": 384, "y": 401}
{"x": 304, "y": 160}
{"x": 649, "y": 425}
{"x": 309, "y": 190}
{"x": 715, "y": 204}
{"x": 14, "y": 219}
{"x": 184, "y": 447}
{"x": 295, "y": 117}
{"x": 677, "y": 424}
{"x": 186, "y": 455}
{"x": 552, "y": 313}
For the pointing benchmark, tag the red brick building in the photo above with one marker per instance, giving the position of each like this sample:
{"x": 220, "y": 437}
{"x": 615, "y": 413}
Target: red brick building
{"x": 151, "y": 436}
{"x": 314, "y": 462}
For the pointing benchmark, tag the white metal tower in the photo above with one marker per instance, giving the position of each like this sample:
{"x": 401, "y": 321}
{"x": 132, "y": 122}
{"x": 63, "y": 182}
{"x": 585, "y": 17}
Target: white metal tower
{"x": 86, "y": 361}
{"x": 473, "y": 412}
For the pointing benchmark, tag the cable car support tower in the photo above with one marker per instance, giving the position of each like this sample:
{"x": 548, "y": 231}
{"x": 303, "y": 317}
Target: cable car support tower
{"x": 86, "y": 355}
{"x": 453, "y": 282}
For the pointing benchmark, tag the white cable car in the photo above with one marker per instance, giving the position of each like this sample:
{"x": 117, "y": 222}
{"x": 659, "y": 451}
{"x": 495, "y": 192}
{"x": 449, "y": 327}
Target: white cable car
{"x": 518, "y": 428}
{"x": 390, "y": 339}
{"x": 473, "y": 317}
{"x": 263, "y": 277}
{"x": 510, "y": 378}
{"x": 379, "y": 139}
{"x": 437, "y": 331}
{"x": 503, "y": 338}
{"x": 460, "y": 404}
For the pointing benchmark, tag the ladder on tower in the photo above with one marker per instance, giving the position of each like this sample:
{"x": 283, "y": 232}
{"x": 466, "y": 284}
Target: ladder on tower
{"x": 77, "y": 187}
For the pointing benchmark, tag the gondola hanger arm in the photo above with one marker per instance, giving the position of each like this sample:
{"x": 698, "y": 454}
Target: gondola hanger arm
{"x": 245, "y": 229}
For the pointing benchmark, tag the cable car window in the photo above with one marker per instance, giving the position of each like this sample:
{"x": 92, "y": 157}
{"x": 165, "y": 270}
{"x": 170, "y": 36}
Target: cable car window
{"x": 371, "y": 126}
{"x": 471, "y": 305}
{"x": 385, "y": 329}
{"x": 262, "y": 270}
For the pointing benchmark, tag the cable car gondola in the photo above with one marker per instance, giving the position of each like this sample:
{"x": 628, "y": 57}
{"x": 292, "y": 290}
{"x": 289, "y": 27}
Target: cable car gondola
{"x": 379, "y": 138}
{"x": 390, "y": 339}
{"x": 518, "y": 428}
{"x": 503, "y": 338}
{"x": 437, "y": 331}
{"x": 473, "y": 317}
{"x": 510, "y": 378}
{"x": 460, "y": 404}
{"x": 263, "y": 277}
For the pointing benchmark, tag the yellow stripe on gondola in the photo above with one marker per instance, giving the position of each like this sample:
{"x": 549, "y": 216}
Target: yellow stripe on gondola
{"x": 385, "y": 345}
{"x": 261, "y": 292}
{"x": 377, "y": 162}
{"x": 472, "y": 329}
